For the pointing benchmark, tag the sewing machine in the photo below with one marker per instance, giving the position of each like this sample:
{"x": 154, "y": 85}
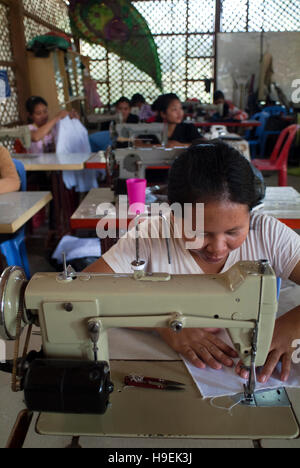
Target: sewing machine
{"x": 23, "y": 133}
{"x": 133, "y": 162}
{"x": 141, "y": 131}
{"x": 198, "y": 109}
{"x": 75, "y": 310}
{"x": 232, "y": 139}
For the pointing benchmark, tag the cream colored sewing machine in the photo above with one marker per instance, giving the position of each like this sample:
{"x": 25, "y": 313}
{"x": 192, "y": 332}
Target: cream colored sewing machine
{"x": 23, "y": 133}
{"x": 75, "y": 310}
{"x": 133, "y": 162}
{"x": 134, "y": 131}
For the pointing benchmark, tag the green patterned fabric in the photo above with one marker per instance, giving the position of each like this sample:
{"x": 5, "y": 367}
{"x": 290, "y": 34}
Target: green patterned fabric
{"x": 120, "y": 28}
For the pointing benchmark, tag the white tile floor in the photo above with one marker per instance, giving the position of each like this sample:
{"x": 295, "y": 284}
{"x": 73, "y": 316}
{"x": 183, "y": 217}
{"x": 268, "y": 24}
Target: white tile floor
{"x": 11, "y": 404}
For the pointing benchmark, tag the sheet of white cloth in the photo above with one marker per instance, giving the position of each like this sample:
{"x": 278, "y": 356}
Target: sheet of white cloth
{"x": 75, "y": 247}
{"x": 213, "y": 383}
{"x": 72, "y": 137}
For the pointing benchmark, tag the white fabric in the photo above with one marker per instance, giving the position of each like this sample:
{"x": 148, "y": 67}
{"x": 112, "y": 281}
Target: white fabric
{"x": 217, "y": 383}
{"x": 72, "y": 137}
{"x": 268, "y": 238}
{"x": 75, "y": 247}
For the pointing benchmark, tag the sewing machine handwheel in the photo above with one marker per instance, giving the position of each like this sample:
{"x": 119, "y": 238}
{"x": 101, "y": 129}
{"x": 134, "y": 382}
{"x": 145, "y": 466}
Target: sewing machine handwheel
{"x": 12, "y": 287}
{"x": 131, "y": 162}
{"x": 110, "y": 161}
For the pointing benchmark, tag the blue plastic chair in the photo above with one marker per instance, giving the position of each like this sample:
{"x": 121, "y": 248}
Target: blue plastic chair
{"x": 262, "y": 117}
{"x": 14, "y": 249}
{"x": 272, "y": 110}
{"x": 275, "y": 110}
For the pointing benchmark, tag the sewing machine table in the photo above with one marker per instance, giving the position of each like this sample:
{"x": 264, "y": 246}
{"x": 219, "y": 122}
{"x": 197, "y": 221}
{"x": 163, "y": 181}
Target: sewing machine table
{"x": 139, "y": 412}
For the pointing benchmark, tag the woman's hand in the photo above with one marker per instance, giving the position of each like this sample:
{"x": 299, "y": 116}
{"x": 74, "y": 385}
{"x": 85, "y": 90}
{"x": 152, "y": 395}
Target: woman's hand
{"x": 62, "y": 115}
{"x": 73, "y": 114}
{"x": 200, "y": 346}
{"x": 287, "y": 329}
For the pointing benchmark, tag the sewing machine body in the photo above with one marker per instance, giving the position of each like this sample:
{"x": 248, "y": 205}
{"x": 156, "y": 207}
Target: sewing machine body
{"x": 133, "y": 162}
{"x": 74, "y": 312}
{"x": 23, "y": 133}
{"x": 133, "y": 131}
{"x": 236, "y": 300}
{"x": 199, "y": 108}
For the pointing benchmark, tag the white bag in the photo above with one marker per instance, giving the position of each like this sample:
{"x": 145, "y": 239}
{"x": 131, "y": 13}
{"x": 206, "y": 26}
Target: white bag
{"x": 72, "y": 137}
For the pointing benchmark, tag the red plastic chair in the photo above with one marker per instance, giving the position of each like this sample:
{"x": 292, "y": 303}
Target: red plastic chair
{"x": 279, "y": 157}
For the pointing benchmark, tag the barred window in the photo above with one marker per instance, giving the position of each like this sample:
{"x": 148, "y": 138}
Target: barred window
{"x": 54, "y": 12}
{"x": 8, "y": 107}
{"x": 260, "y": 15}
{"x": 184, "y": 32}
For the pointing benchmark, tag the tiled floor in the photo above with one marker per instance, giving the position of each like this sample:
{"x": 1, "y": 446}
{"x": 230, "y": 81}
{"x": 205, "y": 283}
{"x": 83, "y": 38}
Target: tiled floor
{"x": 11, "y": 404}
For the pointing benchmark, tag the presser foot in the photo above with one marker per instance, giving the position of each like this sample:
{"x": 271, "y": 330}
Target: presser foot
{"x": 265, "y": 399}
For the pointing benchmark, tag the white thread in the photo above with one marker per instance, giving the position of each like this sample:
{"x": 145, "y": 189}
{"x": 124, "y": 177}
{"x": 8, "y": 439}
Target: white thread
{"x": 224, "y": 407}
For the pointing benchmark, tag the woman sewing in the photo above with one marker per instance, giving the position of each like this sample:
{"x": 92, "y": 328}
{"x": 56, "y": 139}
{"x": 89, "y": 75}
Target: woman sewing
{"x": 123, "y": 108}
{"x": 43, "y": 129}
{"x": 217, "y": 175}
{"x": 169, "y": 110}
{"x": 9, "y": 179}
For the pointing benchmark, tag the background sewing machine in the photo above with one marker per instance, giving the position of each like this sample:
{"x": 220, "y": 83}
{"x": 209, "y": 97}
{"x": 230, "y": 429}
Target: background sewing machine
{"x": 151, "y": 132}
{"x": 23, "y": 133}
{"x": 232, "y": 139}
{"x": 199, "y": 110}
{"x": 126, "y": 163}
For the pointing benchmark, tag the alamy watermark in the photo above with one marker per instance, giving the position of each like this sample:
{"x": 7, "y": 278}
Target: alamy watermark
{"x": 296, "y": 354}
{"x": 180, "y": 222}
{"x": 2, "y": 352}
{"x": 295, "y": 96}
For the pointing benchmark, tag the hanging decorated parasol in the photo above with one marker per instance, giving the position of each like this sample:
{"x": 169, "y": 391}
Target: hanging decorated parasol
{"x": 120, "y": 28}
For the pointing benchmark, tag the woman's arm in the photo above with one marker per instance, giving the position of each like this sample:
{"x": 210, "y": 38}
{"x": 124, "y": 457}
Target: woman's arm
{"x": 9, "y": 179}
{"x": 100, "y": 266}
{"x": 41, "y": 132}
{"x": 177, "y": 144}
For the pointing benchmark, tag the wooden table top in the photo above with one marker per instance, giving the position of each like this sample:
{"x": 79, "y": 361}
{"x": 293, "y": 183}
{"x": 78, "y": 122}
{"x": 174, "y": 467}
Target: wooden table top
{"x": 18, "y": 207}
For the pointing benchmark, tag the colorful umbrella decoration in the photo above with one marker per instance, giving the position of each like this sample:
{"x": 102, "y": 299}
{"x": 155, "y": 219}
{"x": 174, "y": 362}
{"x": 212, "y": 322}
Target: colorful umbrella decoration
{"x": 120, "y": 28}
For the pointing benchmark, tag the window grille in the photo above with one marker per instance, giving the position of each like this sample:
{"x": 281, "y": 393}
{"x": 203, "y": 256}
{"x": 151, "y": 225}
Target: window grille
{"x": 8, "y": 107}
{"x": 54, "y": 12}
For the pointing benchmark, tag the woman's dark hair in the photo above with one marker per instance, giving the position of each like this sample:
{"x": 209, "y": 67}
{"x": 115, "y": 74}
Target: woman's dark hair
{"x": 162, "y": 102}
{"x": 123, "y": 99}
{"x": 218, "y": 95}
{"x": 32, "y": 102}
{"x": 136, "y": 99}
{"x": 214, "y": 171}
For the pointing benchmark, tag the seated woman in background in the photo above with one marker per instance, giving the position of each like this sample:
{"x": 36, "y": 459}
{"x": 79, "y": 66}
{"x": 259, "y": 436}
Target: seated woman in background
{"x": 145, "y": 111}
{"x": 169, "y": 110}
{"x": 123, "y": 107}
{"x": 99, "y": 141}
{"x": 43, "y": 130}
{"x": 230, "y": 111}
{"x": 9, "y": 179}
{"x": 217, "y": 175}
